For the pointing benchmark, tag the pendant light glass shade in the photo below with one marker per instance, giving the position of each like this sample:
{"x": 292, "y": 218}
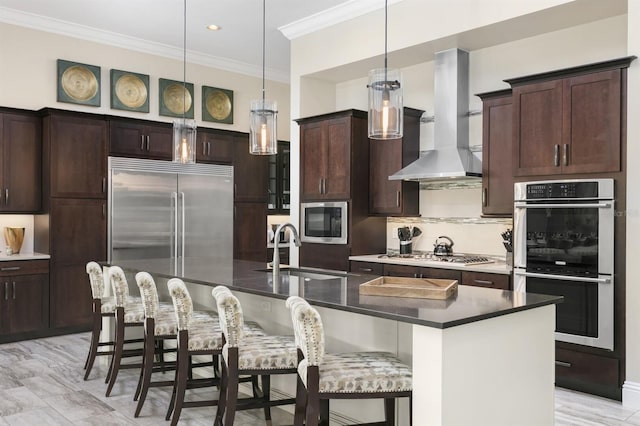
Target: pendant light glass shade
{"x": 184, "y": 141}
{"x": 385, "y": 104}
{"x": 263, "y": 123}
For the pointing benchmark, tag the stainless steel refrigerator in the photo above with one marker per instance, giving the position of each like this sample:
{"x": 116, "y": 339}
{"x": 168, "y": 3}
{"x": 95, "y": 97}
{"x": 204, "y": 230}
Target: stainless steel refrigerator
{"x": 169, "y": 212}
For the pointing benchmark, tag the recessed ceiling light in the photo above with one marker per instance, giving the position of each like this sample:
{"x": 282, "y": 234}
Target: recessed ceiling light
{"x": 213, "y": 27}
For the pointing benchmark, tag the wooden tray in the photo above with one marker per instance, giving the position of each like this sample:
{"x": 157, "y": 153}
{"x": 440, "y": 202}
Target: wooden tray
{"x": 424, "y": 288}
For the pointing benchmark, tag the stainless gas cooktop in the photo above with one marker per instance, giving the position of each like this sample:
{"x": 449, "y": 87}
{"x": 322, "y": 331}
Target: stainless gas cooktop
{"x": 464, "y": 259}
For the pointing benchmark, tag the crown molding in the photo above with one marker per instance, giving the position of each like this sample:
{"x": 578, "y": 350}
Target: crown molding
{"x": 70, "y": 29}
{"x": 340, "y": 13}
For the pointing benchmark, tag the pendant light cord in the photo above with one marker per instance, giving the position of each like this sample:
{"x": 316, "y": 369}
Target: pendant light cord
{"x": 385, "y": 41}
{"x": 184, "y": 64}
{"x": 264, "y": 20}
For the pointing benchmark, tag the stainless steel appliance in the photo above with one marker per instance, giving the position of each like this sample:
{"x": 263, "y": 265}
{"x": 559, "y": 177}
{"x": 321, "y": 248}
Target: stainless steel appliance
{"x": 170, "y": 212}
{"x": 324, "y": 222}
{"x": 462, "y": 259}
{"x": 563, "y": 235}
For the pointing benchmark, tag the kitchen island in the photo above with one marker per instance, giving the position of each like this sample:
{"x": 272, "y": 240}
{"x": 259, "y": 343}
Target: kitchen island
{"x": 481, "y": 357}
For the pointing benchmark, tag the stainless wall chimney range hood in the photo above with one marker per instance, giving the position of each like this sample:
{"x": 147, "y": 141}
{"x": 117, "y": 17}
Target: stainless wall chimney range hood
{"x": 451, "y": 159}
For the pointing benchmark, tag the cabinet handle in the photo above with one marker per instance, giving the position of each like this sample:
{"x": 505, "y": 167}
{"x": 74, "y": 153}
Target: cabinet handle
{"x": 208, "y": 148}
{"x": 366, "y": 269}
{"x": 104, "y": 211}
{"x": 6, "y": 196}
{"x": 6, "y": 290}
{"x": 484, "y": 197}
{"x": 397, "y": 198}
{"x": 565, "y": 154}
{"x": 10, "y": 268}
{"x": 324, "y": 185}
{"x": 147, "y": 142}
{"x": 483, "y": 282}
{"x": 104, "y": 184}
{"x": 141, "y": 142}
{"x": 14, "y": 290}
{"x": 564, "y": 364}
{"x": 320, "y": 185}
{"x": 556, "y": 151}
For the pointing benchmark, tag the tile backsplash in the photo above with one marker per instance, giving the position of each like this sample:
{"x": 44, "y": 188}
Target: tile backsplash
{"x": 17, "y": 221}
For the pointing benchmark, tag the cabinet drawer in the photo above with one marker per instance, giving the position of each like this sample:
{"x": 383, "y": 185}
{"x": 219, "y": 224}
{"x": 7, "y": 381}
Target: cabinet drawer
{"x": 482, "y": 279}
{"x": 367, "y": 268}
{"x": 587, "y": 372}
{"x": 24, "y": 267}
{"x": 445, "y": 274}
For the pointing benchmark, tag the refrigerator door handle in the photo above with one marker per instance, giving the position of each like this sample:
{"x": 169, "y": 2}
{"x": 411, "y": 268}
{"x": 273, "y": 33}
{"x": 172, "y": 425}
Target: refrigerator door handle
{"x": 174, "y": 230}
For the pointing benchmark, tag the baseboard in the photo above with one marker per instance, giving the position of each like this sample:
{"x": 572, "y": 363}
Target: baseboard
{"x": 631, "y": 394}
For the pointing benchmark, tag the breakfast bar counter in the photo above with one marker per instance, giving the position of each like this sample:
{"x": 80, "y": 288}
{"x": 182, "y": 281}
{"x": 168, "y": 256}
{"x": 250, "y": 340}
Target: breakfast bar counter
{"x": 482, "y": 356}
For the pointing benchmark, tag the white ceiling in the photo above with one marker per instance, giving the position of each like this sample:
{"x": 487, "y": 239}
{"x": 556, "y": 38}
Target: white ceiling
{"x": 156, "y": 26}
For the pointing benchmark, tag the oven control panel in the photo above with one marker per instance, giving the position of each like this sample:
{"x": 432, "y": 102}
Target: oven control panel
{"x": 562, "y": 190}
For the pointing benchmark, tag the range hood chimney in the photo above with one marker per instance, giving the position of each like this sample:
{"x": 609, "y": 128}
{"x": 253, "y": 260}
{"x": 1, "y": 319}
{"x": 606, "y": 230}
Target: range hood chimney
{"x": 451, "y": 158}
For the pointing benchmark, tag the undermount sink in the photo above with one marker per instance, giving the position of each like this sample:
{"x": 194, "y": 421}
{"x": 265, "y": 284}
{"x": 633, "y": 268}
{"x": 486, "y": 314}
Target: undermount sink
{"x": 305, "y": 274}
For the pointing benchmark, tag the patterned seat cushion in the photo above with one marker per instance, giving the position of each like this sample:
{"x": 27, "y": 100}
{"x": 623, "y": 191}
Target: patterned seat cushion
{"x": 206, "y": 335}
{"x": 263, "y": 352}
{"x": 108, "y": 305}
{"x": 360, "y": 372}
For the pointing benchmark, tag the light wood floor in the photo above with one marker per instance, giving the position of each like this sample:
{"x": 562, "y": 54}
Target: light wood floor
{"x": 41, "y": 384}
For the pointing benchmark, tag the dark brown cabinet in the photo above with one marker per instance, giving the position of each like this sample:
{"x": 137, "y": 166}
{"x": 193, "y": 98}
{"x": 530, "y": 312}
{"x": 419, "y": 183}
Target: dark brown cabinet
{"x": 73, "y": 226}
{"x": 327, "y": 152}
{"x": 250, "y": 202}
{"x": 420, "y": 272}
{"x": 249, "y": 231}
{"x": 214, "y": 147}
{"x": 141, "y": 139}
{"x": 569, "y": 121}
{"x": 283, "y": 252}
{"x": 75, "y": 156}
{"x": 21, "y": 165}
{"x": 369, "y": 268}
{"x": 325, "y": 256}
{"x": 395, "y": 197}
{"x": 483, "y": 279}
{"x": 24, "y": 301}
{"x": 596, "y": 374}
{"x": 497, "y": 170}
{"x": 250, "y": 173}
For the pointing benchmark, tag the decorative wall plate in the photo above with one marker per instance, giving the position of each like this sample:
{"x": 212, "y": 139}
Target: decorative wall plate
{"x": 217, "y": 105}
{"x": 174, "y": 101}
{"x": 78, "y": 83}
{"x": 129, "y": 91}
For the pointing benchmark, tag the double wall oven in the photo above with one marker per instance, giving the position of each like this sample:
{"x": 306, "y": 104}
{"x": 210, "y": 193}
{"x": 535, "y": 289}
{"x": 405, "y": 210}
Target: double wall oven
{"x": 564, "y": 245}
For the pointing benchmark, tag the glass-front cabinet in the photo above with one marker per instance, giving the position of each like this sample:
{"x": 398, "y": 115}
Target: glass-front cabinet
{"x": 280, "y": 180}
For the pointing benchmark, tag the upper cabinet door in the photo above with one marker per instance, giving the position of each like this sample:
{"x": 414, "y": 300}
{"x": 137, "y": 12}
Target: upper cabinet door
{"x": 537, "y": 128}
{"x": 132, "y": 139}
{"x": 21, "y": 185}
{"x": 313, "y": 151}
{"x": 78, "y": 150}
{"x": 214, "y": 147}
{"x": 592, "y": 121}
{"x": 250, "y": 173}
{"x": 337, "y": 183}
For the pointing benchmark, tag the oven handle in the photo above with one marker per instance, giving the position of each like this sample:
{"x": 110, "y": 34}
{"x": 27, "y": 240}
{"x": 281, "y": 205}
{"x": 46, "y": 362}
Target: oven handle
{"x": 521, "y": 205}
{"x": 563, "y": 277}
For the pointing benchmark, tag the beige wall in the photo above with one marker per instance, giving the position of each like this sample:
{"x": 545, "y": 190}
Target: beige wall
{"x": 28, "y": 77}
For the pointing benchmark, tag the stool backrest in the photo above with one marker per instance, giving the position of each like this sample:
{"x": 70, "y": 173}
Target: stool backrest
{"x": 308, "y": 329}
{"x": 119, "y": 285}
{"x": 182, "y": 302}
{"x": 148, "y": 293}
{"x": 230, "y": 314}
{"x": 96, "y": 279}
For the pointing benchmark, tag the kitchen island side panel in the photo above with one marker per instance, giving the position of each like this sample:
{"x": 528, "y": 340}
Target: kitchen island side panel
{"x": 488, "y": 373}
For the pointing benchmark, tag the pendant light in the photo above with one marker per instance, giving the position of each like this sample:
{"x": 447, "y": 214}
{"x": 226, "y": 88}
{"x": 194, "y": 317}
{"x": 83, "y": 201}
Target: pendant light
{"x": 262, "y": 121}
{"x": 385, "y": 98}
{"x": 184, "y": 131}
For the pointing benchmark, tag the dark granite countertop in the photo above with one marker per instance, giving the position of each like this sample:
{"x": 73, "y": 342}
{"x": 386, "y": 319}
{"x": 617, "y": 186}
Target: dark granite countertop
{"x": 341, "y": 291}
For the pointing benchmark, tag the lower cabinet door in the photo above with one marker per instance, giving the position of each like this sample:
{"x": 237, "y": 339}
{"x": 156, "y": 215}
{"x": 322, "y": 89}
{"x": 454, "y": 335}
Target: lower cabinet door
{"x": 70, "y": 296}
{"x": 28, "y": 302}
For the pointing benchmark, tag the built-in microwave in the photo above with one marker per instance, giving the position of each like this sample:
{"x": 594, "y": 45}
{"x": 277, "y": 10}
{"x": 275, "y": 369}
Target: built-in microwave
{"x": 324, "y": 222}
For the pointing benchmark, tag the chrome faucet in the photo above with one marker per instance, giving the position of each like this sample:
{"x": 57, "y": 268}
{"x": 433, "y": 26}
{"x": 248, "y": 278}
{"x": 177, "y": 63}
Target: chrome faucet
{"x": 276, "y": 252}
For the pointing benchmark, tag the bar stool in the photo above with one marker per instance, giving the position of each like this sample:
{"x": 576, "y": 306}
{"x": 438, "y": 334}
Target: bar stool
{"x": 245, "y": 354}
{"x": 128, "y": 312}
{"x": 159, "y": 324}
{"x": 356, "y": 375}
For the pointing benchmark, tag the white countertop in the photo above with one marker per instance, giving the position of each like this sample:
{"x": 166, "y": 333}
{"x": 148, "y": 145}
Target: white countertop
{"x": 497, "y": 267}
{"x": 22, "y": 256}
